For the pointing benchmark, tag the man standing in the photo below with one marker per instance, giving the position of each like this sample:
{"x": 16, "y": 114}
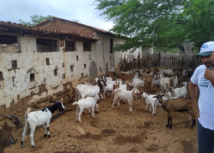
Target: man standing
{"x": 203, "y": 101}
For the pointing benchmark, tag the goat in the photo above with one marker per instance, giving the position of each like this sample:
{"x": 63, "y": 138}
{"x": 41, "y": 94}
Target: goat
{"x": 174, "y": 105}
{"x": 167, "y": 71}
{"x": 164, "y": 83}
{"x": 90, "y": 90}
{"x": 109, "y": 87}
{"x": 5, "y": 132}
{"x": 178, "y": 92}
{"x": 40, "y": 118}
{"x": 153, "y": 102}
{"x": 137, "y": 83}
{"x": 148, "y": 79}
{"x": 124, "y": 95}
{"x": 155, "y": 82}
{"x": 88, "y": 103}
{"x": 175, "y": 81}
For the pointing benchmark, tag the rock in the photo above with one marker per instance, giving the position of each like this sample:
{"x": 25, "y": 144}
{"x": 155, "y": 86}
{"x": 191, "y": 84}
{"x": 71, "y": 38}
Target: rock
{"x": 67, "y": 124}
{"x": 81, "y": 130}
{"x": 187, "y": 139}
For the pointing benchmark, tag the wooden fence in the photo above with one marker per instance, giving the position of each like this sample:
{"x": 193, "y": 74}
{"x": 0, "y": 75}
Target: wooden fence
{"x": 161, "y": 60}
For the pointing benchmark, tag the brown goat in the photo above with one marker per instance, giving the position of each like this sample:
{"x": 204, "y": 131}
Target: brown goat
{"x": 148, "y": 79}
{"x": 5, "y": 132}
{"x": 176, "y": 105}
{"x": 5, "y": 136}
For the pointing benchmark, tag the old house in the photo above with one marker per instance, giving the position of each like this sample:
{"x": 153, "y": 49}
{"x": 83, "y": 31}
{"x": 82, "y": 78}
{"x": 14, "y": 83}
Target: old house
{"x": 41, "y": 61}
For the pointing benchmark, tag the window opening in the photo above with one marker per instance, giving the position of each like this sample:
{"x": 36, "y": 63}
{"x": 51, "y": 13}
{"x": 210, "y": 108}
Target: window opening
{"x": 70, "y": 46}
{"x": 55, "y": 72}
{"x": 14, "y": 64}
{"x": 111, "y": 45}
{"x": 86, "y": 46}
{"x": 9, "y": 44}
{"x": 46, "y": 45}
{"x": 71, "y": 68}
{"x": 47, "y": 61}
{"x": 32, "y": 77}
{"x": 1, "y": 76}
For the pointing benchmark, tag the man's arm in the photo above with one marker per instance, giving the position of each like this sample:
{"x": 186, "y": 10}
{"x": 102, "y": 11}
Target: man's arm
{"x": 194, "y": 94}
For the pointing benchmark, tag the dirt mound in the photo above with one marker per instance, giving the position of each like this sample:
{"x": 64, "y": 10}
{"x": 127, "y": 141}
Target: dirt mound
{"x": 153, "y": 148}
{"x": 188, "y": 147}
{"x": 90, "y": 136}
{"x": 107, "y": 132}
{"x": 120, "y": 140}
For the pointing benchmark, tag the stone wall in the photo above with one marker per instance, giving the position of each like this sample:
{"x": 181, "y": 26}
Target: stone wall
{"x": 30, "y": 78}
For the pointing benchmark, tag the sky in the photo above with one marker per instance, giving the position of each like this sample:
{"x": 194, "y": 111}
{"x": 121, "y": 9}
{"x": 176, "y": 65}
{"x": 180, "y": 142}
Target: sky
{"x": 81, "y": 10}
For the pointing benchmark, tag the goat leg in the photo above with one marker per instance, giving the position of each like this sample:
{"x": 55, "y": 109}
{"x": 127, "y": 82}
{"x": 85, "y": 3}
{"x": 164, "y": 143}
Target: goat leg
{"x": 167, "y": 123}
{"x": 193, "y": 123}
{"x": 170, "y": 125}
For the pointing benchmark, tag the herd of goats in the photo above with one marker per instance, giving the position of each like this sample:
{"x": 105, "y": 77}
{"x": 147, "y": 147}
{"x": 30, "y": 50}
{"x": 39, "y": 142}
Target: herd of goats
{"x": 122, "y": 86}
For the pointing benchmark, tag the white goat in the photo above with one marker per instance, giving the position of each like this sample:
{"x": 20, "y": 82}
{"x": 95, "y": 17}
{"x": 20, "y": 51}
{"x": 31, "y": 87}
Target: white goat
{"x": 108, "y": 87}
{"x": 167, "y": 71}
{"x": 40, "y": 118}
{"x": 179, "y": 92}
{"x": 88, "y": 103}
{"x": 175, "y": 81}
{"x": 137, "y": 83}
{"x": 124, "y": 95}
{"x": 153, "y": 102}
{"x": 155, "y": 82}
{"x": 164, "y": 83}
{"x": 89, "y": 90}
{"x": 112, "y": 82}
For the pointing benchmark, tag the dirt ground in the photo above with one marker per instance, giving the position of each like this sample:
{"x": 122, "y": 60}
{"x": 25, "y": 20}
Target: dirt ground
{"x": 112, "y": 131}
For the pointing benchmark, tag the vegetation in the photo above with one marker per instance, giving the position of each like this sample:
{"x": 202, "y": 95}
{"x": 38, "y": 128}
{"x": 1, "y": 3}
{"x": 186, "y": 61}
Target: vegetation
{"x": 160, "y": 23}
{"x": 35, "y": 19}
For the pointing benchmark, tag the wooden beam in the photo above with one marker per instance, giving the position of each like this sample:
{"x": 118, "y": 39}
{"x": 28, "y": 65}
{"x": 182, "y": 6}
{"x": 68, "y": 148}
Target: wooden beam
{"x": 41, "y": 37}
{"x": 11, "y": 34}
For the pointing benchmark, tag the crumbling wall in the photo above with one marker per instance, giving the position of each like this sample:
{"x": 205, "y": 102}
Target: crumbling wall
{"x": 29, "y": 78}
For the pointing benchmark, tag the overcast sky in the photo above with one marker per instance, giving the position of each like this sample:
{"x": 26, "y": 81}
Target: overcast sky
{"x": 82, "y": 10}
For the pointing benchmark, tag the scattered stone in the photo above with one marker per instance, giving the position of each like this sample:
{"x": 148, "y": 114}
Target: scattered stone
{"x": 80, "y": 130}
{"x": 187, "y": 139}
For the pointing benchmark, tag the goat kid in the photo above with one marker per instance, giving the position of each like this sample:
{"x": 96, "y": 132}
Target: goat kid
{"x": 153, "y": 102}
{"x": 87, "y": 103}
{"x": 40, "y": 118}
{"x": 120, "y": 94}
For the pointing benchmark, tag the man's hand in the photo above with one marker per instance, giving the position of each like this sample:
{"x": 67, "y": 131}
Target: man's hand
{"x": 209, "y": 75}
{"x": 195, "y": 109}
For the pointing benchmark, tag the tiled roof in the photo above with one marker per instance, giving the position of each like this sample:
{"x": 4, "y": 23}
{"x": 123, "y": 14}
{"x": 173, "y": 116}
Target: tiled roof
{"x": 37, "y": 29}
{"x": 93, "y": 28}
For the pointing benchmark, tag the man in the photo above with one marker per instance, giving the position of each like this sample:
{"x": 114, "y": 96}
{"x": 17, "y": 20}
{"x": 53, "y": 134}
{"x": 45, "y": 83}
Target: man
{"x": 203, "y": 106}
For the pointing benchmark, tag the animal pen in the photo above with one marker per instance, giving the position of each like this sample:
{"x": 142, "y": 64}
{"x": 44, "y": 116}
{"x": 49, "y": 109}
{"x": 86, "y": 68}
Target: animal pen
{"x": 172, "y": 60}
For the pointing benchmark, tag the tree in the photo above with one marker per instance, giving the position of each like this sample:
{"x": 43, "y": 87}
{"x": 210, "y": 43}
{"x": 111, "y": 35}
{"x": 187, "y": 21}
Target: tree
{"x": 161, "y": 23}
{"x": 35, "y": 19}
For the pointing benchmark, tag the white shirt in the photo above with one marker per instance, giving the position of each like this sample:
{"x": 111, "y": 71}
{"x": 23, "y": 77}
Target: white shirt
{"x": 206, "y": 98}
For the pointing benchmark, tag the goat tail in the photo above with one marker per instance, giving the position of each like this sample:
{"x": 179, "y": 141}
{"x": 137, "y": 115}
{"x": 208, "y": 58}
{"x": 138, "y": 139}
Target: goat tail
{"x": 27, "y": 112}
{"x": 75, "y": 103}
